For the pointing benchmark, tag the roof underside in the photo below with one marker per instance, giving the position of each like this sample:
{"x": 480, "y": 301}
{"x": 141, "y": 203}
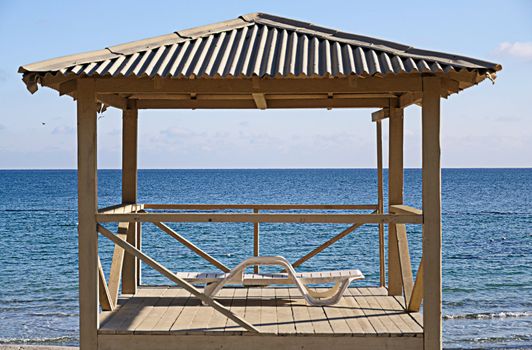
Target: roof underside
{"x": 257, "y": 46}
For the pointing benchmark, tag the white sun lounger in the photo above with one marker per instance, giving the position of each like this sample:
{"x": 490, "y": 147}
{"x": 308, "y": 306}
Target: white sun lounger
{"x": 215, "y": 281}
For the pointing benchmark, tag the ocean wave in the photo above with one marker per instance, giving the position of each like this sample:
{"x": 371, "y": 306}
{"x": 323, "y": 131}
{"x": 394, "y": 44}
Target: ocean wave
{"x": 488, "y": 315}
{"x": 54, "y": 340}
{"x": 52, "y": 314}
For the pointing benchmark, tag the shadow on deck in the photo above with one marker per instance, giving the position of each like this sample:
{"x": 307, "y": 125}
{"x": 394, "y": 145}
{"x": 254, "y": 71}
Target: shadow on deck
{"x": 168, "y": 317}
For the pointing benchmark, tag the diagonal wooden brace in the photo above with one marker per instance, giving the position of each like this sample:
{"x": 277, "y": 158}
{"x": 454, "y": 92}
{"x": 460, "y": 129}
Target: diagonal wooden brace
{"x": 180, "y": 282}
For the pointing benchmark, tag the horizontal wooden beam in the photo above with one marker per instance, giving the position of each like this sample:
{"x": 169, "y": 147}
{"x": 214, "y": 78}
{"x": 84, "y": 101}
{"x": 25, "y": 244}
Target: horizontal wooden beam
{"x": 278, "y": 218}
{"x": 272, "y": 104}
{"x": 267, "y": 86}
{"x": 405, "y": 209}
{"x": 261, "y": 206}
{"x": 113, "y": 100}
{"x": 380, "y": 114}
{"x": 121, "y": 208}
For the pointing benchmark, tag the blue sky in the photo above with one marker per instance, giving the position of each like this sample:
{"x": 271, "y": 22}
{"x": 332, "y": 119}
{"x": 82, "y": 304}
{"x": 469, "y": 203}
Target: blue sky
{"x": 485, "y": 126}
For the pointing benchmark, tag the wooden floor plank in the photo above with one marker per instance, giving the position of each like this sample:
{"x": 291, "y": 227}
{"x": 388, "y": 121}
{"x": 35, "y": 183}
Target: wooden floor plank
{"x": 416, "y": 316}
{"x": 336, "y": 318}
{"x": 354, "y": 316}
{"x": 269, "y": 311}
{"x": 253, "y": 306}
{"x": 396, "y": 313}
{"x": 156, "y": 312}
{"x": 172, "y": 312}
{"x": 238, "y": 306}
{"x": 218, "y": 321}
{"x": 386, "y": 318}
{"x": 274, "y": 310}
{"x": 285, "y": 318}
{"x": 319, "y": 320}
{"x": 302, "y": 321}
{"x": 373, "y": 315}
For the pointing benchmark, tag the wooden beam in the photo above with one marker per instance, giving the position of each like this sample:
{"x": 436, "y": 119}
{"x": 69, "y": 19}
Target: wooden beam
{"x": 87, "y": 207}
{"x": 286, "y": 218}
{"x": 117, "y": 262}
{"x": 405, "y": 209}
{"x": 105, "y": 297}
{"x": 67, "y": 87}
{"x": 256, "y": 241}
{"x": 395, "y": 196}
{"x": 404, "y": 262}
{"x": 417, "y": 291}
{"x": 272, "y": 104}
{"x": 260, "y": 206}
{"x": 129, "y": 193}
{"x": 191, "y": 246}
{"x": 180, "y": 282}
{"x": 431, "y": 174}
{"x": 380, "y": 115}
{"x": 380, "y": 195}
{"x": 113, "y": 100}
{"x": 260, "y": 100}
{"x": 409, "y": 99}
{"x": 267, "y": 86}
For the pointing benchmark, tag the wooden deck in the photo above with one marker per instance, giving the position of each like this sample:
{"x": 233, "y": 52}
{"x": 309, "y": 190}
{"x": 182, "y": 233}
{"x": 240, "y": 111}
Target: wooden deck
{"x": 168, "y": 318}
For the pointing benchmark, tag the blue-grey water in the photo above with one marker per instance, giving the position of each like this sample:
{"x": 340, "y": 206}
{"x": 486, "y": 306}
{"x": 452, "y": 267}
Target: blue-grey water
{"x": 487, "y": 242}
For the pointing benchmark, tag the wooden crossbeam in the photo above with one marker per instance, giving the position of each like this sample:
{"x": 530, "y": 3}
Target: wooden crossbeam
{"x": 116, "y": 263}
{"x": 405, "y": 209}
{"x": 191, "y": 246}
{"x": 380, "y": 115}
{"x": 260, "y": 101}
{"x": 278, "y": 218}
{"x": 404, "y": 262}
{"x": 104, "y": 296}
{"x": 260, "y": 206}
{"x": 179, "y": 281}
{"x": 417, "y": 291}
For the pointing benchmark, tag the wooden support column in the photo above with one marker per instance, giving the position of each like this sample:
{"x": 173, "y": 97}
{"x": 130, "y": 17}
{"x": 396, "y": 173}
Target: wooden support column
{"x": 256, "y": 241}
{"x": 130, "y": 272}
{"x": 432, "y": 293}
{"x": 87, "y": 208}
{"x": 395, "y": 196}
{"x": 382, "y": 271}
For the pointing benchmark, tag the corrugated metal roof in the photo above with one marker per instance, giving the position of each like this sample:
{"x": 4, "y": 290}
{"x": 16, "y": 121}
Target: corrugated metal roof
{"x": 255, "y": 45}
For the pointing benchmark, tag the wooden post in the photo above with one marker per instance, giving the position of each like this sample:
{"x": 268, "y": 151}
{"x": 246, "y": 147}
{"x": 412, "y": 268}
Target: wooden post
{"x": 395, "y": 196}
{"x": 87, "y": 208}
{"x": 256, "y": 241}
{"x": 431, "y": 214}
{"x": 130, "y": 273}
{"x": 382, "y": 271}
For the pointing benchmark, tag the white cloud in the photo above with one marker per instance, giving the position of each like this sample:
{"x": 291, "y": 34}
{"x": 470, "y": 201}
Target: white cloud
{"x": 516, "y": 49}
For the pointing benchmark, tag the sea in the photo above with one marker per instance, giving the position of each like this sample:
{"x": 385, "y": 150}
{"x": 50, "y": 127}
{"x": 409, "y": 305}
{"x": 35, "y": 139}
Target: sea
{"x": 487, "y": 242}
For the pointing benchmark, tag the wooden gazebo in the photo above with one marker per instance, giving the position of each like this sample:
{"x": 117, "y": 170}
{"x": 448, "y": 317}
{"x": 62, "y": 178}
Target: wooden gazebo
{"x": 258, "y": 61}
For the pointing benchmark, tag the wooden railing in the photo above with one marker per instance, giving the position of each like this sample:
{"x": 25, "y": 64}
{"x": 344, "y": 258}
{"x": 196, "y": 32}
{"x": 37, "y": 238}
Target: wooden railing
{"x": 157, "y": 214}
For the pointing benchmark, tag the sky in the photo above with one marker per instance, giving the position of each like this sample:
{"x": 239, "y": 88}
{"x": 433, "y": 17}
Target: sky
{"x": 489, "y": 125}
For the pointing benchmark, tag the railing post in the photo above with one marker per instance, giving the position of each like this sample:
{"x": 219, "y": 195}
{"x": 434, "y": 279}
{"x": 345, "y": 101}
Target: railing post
{"x": 256, "y": 241}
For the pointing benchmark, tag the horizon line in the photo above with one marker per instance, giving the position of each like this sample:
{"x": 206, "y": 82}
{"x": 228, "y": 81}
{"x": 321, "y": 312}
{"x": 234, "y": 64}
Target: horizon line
{"x": 272, "y": 168}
